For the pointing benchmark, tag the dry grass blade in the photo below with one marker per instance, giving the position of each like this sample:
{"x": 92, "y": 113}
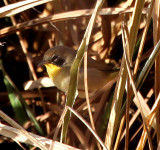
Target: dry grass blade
{"x": 156, "y": 38}
{"x": 17, "y": 135}
{"x": 133, "y": 30}
{"x": 79, "y": 134}
{"x": 154, "y": 108}
{"x": 150, "y": 119}
{"x": 61, "y": 17}
{"x": 18, "y": 7}
{"x": 116, "y": 107}
{"x": 43, "y": 24}
{"x": 117, "y": 100}
{"x": 86, "y": 91}
{"x": 148, "y": 65}
{"x": 146, "y": 111}
{"x": 119, "y": 133}
{"x": 125, "y": 36}
{"x": 143, "y": 38}
{"x": 22, "y": 130}
{"x": 138, "y": 100}
{"x": 58, "y": 127}
{"x": 87, "y": 94}
{"x": 89, "y": 127}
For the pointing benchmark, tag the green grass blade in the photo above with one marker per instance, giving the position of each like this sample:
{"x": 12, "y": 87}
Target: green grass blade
{"x": 142, "y": 76}
{"x": 18, "y": 104}
{"x": 72, "y": 91}
{"x": 15, "y": 103}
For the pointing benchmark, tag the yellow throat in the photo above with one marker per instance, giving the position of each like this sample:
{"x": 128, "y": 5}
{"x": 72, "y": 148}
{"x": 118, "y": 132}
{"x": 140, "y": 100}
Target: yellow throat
{"x": 52, "y": 70}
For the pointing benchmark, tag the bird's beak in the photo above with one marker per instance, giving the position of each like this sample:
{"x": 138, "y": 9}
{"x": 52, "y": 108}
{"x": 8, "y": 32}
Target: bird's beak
{"x": 43, "y": 62}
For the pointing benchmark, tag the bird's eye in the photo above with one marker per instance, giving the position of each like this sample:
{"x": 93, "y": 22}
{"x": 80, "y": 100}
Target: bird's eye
{"x": 58, "y": 60}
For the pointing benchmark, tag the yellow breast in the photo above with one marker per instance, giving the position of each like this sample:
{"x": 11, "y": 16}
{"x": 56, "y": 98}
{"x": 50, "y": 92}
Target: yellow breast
{"x": 52, "y": 70}
{"x": 59, "y": 75}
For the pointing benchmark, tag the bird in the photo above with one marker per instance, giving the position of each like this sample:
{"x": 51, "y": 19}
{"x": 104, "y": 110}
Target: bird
{"x": 58, "y": 61}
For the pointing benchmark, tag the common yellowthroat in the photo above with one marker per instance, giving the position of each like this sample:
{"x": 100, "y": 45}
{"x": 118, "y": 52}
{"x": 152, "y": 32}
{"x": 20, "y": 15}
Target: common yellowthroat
{"x": 58, "y": 61}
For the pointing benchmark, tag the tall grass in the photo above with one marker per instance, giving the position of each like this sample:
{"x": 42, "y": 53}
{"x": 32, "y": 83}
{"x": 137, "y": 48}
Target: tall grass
{"x": 123, "y": 116}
